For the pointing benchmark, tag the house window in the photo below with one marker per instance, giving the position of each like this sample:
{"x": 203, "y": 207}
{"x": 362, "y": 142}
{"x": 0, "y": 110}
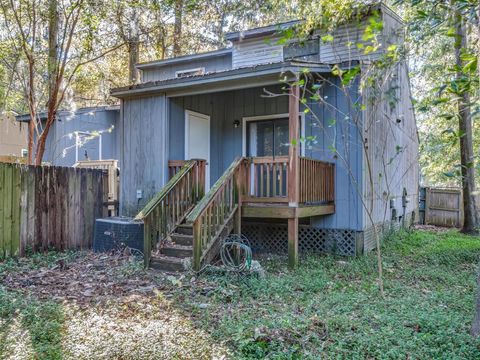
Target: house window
{"x": 24, "y": 153}
{"x": 268, "y": 138}
{"x": 268, "y": 135}
{"x": 301, "y": 49}
{"x": 189, "y": 72}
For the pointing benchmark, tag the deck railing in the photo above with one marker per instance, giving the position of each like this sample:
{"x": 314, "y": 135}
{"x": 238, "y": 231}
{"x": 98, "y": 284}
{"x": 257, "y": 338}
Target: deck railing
{"x": 215, "y": 213}
{"x": 316, "y": 181}
{"x": 170, "y": 206}
{"x": 267, "y": 180}
{"x": 174, "y": 166}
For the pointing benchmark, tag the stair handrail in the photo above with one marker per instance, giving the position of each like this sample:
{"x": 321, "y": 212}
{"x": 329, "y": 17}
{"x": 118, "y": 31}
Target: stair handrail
{"x": 171, "y": 204}
{"x": 216, "y": 209}
{"x": 150, "y": 206}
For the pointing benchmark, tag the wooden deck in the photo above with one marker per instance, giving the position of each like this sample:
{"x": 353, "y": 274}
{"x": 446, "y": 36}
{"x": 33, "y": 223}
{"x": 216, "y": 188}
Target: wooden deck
{"x": 277, "y": 211}
{"x": 250, "y": 188}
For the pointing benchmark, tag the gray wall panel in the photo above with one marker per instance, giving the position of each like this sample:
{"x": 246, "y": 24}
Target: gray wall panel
{"x": 60, "y": 145}
{"x": 218, "y": 63}
{"x": 143, "y": 164}
{"x": 226, "y": 140}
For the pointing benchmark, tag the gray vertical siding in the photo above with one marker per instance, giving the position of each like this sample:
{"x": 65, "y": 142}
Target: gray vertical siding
{"x": 328, "y": 125}
{"x": 143, "y": 162}
{"x": 217, "y": 63}
{"x": 223, "y": 109}
{"x": 391, "y": 133}
{"x": 60, "y": 145}
{"x": 392, "y": 154}
{"x": 226, "y": 140}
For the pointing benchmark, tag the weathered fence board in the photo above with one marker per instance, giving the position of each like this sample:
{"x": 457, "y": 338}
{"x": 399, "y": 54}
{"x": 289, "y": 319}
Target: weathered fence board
{"x": 444, "y": 206}
{"x": 49, "y": 207}
{"x": 113, "y": 180}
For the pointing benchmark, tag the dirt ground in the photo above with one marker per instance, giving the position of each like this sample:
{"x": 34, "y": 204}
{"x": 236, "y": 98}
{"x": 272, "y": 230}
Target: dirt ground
{"x": 106, "y": 306}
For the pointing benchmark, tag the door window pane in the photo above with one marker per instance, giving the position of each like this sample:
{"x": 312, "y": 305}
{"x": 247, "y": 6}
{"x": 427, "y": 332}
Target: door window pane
{"x": 281, "y": 137}
{"x": 265, "y": 142}
{"x": 268, "y": 138}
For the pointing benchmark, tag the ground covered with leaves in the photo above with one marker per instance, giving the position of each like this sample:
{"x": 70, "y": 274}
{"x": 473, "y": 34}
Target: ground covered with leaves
{"x": 90, "y": 306}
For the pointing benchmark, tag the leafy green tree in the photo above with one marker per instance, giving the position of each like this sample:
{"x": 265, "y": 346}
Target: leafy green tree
{"x": 443, "y": 36}
{"x": 50, "y": 42}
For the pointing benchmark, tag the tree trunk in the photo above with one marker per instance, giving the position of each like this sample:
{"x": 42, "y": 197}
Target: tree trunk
{"x": 53, "y": 78}
{"x": 133, "y": 60}
{"x": 177, "y": 29}
{"x": 52, "y": 46}
{"x": 32, "y": 125}
{"x": 134, "y": 48}
{"x": 31, "y": 134}
{"x": 465, "y": 128}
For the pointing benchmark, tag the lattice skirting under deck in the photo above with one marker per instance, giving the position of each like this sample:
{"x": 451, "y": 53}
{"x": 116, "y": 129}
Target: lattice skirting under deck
{"x": 273, "y": 237}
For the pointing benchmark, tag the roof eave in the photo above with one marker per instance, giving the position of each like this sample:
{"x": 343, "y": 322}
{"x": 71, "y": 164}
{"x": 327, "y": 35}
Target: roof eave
{"x": 258, "y": 74}
{"x": 186, "y": 58}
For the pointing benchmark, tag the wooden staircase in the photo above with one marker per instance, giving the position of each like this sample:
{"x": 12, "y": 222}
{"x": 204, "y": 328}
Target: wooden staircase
{"x": 181, "y": 222}
{"x": 175, "y": 250}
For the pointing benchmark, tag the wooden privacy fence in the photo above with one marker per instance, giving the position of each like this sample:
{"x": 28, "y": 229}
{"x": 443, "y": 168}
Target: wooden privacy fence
{"x": 443, "y": 206}
{"x": 44, "y": 207}
{"x": 111, "y": 166}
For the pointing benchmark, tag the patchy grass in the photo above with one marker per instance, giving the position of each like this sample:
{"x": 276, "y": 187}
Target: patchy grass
{"x": 331, "y": 307}
{"x": 328, "y": 308}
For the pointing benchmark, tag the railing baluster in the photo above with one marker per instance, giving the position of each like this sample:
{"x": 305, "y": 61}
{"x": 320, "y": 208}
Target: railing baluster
{"x": 210, "y": 215}
{"x": 168, "y": 208}
{"x": 316, "y": 181}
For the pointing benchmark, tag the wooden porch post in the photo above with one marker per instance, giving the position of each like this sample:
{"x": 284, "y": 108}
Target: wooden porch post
{"x": 147, "y": 242}
{"x": 293, "y": 173}
{"x": 239, "y": 183}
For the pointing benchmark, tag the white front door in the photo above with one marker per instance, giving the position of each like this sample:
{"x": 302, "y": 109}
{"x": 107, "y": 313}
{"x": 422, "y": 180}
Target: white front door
{"x": 197, "y": 139}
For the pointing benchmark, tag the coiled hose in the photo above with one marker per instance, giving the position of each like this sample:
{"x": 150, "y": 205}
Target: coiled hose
{"x": 236, "y": 253}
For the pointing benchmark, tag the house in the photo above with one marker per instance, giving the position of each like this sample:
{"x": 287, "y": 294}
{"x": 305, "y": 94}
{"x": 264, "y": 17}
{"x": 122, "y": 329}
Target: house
{"x": 288, "y": 178}
{"x": 86, "y": 133}
{"x": 13, "y": 137}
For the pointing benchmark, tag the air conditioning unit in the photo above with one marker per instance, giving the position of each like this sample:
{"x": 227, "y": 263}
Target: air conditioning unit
{"x": 117, "y": 233}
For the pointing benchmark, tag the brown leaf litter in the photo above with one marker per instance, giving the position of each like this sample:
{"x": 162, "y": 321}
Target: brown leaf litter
{"x": 90, "y": 278}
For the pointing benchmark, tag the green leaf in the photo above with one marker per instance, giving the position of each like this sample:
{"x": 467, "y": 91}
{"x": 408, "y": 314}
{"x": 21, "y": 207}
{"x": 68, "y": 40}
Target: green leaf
{"x": 337, "y": 71}
{"x": 327, "y": 38}
{"x": 452, "y": 32}
{"x": 350, "y": 74}
{"x": 392, "y": 48}
{"x": 470, "y": 67}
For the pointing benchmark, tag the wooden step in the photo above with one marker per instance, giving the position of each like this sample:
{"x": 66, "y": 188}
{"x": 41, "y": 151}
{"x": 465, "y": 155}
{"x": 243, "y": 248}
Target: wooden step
{"x": 179, "y": 251}
{"x": 167, "y": 263}
{"x": 185, "y": 229}
{"x": 182, "y": 239}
